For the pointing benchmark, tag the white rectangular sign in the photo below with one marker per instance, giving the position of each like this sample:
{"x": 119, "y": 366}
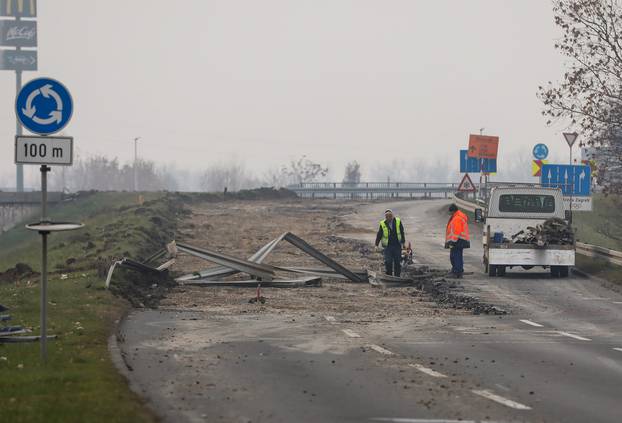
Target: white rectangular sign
{"x": 56, "y": 151}
{"x": 578, "y": 203}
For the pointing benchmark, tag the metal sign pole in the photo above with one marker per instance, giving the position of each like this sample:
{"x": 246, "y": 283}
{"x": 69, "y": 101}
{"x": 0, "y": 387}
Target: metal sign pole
{"x": 44, "y": 262}
{"x": 19, "y": 177}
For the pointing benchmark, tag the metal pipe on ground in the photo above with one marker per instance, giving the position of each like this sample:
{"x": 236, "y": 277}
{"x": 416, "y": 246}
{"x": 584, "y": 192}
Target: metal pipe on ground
{"x": 276, "y": 283}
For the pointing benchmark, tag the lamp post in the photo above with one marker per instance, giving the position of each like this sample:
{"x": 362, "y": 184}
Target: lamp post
{"x": 135, "y": 163}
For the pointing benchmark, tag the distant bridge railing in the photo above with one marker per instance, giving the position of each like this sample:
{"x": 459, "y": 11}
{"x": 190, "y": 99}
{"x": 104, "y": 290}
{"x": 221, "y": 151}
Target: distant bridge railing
{"x": 371, "y": 190}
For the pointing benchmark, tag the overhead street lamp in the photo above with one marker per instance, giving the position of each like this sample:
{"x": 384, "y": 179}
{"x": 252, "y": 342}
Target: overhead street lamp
{"x": 135, "y": 163}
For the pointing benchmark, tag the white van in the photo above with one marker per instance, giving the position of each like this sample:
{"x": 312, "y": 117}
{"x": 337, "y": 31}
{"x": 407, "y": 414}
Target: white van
{"x": 514, "y": 209}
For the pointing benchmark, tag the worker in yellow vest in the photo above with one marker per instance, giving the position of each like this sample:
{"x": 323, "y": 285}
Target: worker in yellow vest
{"x": 391, "y": 235}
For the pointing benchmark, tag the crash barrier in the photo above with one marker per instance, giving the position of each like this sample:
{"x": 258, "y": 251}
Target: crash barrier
{"x": 372, "y": 190}
{"x": 263, "y": 275}
{"x": 601, "y": 253}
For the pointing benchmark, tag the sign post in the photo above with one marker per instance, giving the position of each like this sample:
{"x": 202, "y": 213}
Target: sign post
{"x": 44, "y": 106}
{"x": 483, "y": 147}
{"x": 19, "y": 34}
{"x": 571, "y": 138}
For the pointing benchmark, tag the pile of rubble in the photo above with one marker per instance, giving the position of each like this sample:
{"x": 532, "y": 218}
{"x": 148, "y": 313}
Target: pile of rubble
{"x": 553, "y": 231}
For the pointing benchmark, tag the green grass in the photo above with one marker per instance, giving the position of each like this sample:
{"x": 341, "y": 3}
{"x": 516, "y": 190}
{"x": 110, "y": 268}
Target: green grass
{"x": 602, "y": 226}
{"x": 79, "y": 383}
{"x": 114, "y": 227}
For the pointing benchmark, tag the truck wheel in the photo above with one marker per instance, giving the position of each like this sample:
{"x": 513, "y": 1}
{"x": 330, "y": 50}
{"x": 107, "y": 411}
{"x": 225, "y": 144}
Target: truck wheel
{"x": 500, "y": 270}
{"x": 564, "y": 271}
{"x": 492, "y": 270}
{"x": 555, "y": 271}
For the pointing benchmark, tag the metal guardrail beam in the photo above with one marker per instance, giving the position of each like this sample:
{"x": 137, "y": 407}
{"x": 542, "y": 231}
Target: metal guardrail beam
{"x": 254, "y": 269}
{"x": 18, "y": 198}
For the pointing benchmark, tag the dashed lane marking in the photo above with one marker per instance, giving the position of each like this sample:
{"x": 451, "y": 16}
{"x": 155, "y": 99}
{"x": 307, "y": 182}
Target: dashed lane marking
{"x": 330, "y": 319}
{"x": 427, "y": 371}
{"x": 350, "y": 333}
{"x": 499, "y": 399}
{"x": 617, "y": 302}
{"x": 407, "y": 420}
{"x": 529, "y": 322}
{"x": 572, "y": 335}
{"x": 381, "y": 350}
{"x": 618, "y": 349}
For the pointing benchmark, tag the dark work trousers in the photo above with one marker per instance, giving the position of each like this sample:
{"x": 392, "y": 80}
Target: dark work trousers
{"x": 457, "y": 260}
{"x": 392, "y": 259}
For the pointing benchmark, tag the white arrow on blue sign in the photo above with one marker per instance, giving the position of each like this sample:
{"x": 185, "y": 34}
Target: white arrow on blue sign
{"x": 44, "y": 106}
{"x": 473, "y": 165}
{"x": 575, "y": 180}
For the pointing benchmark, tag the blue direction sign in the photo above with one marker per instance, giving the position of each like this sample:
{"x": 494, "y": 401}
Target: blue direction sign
{"x": 473, "y": 165}
{"x": 540, "y": 151}
{"x": 574, "y": 180}
{"x": 44, "y": 106}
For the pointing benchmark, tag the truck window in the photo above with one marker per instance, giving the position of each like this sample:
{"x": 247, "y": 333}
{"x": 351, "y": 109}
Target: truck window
{"x": 526, "y": 203}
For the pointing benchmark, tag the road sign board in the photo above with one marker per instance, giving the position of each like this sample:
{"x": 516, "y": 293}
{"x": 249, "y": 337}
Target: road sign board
{"x": 18, "y": 8}
{"x": 18, "y": 33}
{"x": 578, "y": 203}
{"x": 483, "y": 146}
{"x": 44, "y": 106}
{"x": 56, "y": 151}
{"x": 466, "y": 185}
{"x": 536, "y": 167}
{"x": 574, "y": 180}
{"x": 473, "y": 165}
{"x": 23, "y": 60}
{"x": 570, "y": 137}
{"x": 540, "y": 151}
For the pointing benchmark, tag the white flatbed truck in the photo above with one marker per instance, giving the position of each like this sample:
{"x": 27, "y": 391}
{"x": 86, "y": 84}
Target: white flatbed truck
{"x": 512, "y": 209}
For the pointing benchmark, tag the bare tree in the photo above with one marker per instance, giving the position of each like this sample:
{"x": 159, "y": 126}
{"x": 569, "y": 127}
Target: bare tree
{"x": 352, "y": 174}
{"x": 589, "y": 96}
{"x": 303, "y": 170}
{"x": 233, "y": 176}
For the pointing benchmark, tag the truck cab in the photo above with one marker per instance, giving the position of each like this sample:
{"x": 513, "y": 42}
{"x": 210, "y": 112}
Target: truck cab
{"x": 511, "y": 210}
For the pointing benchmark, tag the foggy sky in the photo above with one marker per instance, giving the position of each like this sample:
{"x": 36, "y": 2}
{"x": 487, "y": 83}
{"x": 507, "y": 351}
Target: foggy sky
{"x": 267, "y": 81}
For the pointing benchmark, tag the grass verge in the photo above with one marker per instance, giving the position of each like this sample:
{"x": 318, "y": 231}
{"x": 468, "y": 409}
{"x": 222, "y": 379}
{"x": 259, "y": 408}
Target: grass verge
{"x": 79, "y": 382}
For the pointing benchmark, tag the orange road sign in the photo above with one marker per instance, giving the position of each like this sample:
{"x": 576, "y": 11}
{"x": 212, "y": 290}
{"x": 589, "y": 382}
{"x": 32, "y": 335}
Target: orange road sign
{"x": 467, "y": 184}
{"x": 536, "y": 167}
{"x": 483, "y": 146}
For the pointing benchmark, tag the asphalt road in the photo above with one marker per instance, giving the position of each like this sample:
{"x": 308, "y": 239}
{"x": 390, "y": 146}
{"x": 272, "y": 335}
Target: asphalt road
{"x": 556, "y": 357}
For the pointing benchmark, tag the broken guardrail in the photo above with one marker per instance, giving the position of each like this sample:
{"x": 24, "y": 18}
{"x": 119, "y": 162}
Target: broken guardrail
{"x": 8, "y": 333}
{"x": 253, "y": 266}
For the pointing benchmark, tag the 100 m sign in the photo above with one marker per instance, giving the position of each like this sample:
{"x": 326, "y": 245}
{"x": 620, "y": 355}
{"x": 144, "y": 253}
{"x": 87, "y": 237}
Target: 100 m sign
{"x": 44, "y": 150}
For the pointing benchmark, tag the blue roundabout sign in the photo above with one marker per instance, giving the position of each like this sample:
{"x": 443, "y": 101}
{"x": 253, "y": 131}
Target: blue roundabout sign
{"x": 44, "y": 106}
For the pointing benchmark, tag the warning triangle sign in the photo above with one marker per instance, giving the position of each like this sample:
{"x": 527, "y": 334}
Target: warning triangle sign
{"x": 467, "y": 184}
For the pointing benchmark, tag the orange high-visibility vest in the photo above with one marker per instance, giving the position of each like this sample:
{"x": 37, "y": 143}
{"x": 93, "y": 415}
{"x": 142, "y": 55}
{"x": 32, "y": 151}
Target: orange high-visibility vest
{"x": 457, "y": 228}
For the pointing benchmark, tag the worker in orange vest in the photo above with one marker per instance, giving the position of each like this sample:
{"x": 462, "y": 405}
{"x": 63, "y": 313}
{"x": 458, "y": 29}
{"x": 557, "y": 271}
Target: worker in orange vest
{"x": 457, "y": 239}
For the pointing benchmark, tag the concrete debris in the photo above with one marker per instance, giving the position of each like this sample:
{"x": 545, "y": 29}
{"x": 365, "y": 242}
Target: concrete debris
{"x": 450, "y": 294}
{"x": 554, "y": 231}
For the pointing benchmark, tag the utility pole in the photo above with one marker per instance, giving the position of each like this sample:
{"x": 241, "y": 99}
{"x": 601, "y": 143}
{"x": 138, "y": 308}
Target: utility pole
{"x": 135, "y": 163}
{"x": 19, "y": 177}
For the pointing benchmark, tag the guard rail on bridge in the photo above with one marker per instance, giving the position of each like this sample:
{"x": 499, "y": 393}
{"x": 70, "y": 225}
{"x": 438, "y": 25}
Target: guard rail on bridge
{"x": 372, "y": 190}
{"x": 589, "y": 250}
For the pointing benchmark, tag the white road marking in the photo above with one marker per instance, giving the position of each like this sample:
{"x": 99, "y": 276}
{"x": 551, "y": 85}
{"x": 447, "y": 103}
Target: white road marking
{"x": 572, "y": 335}
{"x": 379, "y": 349}
{"x": 595, "y": 299}
{"x": 617, "y": 302}
{"x": 330, "y": 319}
{"x": 407, "y": 420}
{"x": 618, "y": 349}
{"x": 350, "y": 333}
{"x": 529, "y": 322}
{"x": 427, "y": 371}
{"x": 499, "y": 399}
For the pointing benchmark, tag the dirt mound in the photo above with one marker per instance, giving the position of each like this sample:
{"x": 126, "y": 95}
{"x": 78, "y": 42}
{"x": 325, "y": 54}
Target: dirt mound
{"x": 17, "y": 273}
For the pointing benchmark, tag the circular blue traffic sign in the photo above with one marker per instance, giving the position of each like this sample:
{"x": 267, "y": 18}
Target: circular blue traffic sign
{"x": 44, "y": 106}
{"x": 540, "y": 151}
